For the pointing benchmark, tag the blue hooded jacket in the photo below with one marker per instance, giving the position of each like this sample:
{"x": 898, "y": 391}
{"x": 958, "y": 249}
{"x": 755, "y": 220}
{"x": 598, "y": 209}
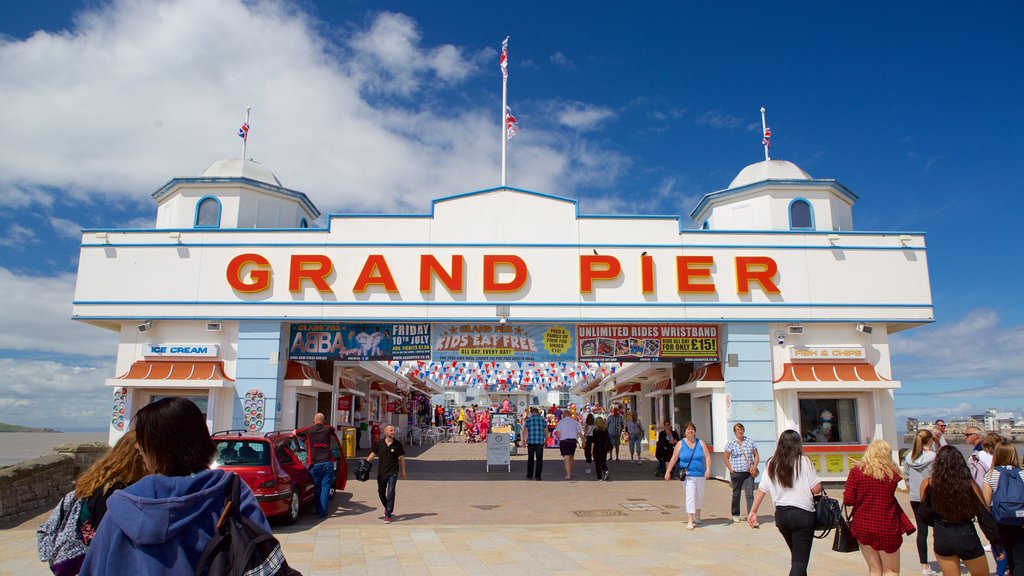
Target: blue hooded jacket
{"x": 162, "y": 524}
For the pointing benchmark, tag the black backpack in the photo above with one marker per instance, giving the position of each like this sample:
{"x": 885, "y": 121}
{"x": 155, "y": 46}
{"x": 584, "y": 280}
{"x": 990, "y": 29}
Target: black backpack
{"x": 240, "y": 545}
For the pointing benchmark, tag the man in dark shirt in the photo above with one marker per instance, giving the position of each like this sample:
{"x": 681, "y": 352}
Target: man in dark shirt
{"x": 319, "y": 458}
{"x": 535, "y": 435}
{"x": 392, "y": 463}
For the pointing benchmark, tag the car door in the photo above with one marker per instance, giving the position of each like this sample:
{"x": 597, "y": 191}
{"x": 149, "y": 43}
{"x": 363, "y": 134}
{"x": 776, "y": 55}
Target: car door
{"x": 340, "y": 465}
{"x": 292, "y": 455}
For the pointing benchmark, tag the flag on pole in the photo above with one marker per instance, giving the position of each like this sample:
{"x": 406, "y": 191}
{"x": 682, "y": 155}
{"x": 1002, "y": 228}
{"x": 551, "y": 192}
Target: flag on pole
{"x": 767, "y": 139}
{"x": 511, "y": 124}
{"x": 243, "y": 132}
{"x": 503, "y": 62}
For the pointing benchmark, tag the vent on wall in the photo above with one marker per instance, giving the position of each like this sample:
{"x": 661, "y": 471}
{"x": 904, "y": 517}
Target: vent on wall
{"x": 213, "y": 326}
{"x": 796, "y": 329}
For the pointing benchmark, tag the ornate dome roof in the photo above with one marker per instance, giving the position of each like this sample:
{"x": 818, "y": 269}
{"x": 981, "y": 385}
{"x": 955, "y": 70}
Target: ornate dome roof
{"x": 769, "y": 170}
{"x": 239, "y": 168}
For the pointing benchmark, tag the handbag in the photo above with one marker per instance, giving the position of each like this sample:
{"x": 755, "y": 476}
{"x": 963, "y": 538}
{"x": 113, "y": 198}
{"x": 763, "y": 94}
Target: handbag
{"x": 844, "y": 540}
{"x": 826, "y": 513}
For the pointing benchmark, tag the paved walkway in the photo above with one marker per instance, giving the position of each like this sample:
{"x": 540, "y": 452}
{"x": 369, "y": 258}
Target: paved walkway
{"x": 452, "y": 517}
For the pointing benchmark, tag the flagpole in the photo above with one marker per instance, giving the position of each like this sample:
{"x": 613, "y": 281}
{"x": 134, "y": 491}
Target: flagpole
{"x": 245, "y": 140}
{"x": 764, "y": 128}
{"x": 505, "y": 95}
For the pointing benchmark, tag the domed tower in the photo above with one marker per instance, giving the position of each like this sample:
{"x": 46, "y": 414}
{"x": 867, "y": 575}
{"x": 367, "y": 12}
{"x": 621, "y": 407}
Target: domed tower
{"x": 233, "y": 193}
{"x": 777, "y": 195}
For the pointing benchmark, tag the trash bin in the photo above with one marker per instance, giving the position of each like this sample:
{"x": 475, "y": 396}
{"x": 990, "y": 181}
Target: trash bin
{"x": 348, "y": 442}
{"x": 652, "y": 438}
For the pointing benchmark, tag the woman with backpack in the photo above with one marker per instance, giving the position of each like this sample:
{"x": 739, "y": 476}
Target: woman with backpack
{"x": 64, "y": 537}
{"x": 791, "y": 480}
{"x": 1007, "y": 503}
{"x": 163, "y": 523}
{"x": 950, "y": 501}
{"x": 917, "y": 465}
{"x": 879, "y": 522}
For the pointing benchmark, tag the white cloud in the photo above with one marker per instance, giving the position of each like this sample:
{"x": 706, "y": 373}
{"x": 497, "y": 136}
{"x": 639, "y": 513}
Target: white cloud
{"x": 974, "y": 347}
{"x": 141, "y": 92}
{"x": 51, "y": 394}
{"x": 719, "y": 120}
{"x": 66, "y": 228}
{"x": 583, "y": 117}
{"x": 16, "y": 236}
{"x": 35, "y": 312}
{"x": 559, "y": 59}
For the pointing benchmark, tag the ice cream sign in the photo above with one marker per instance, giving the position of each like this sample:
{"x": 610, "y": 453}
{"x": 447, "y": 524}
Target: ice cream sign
{"x": 181, "y": 350}
{"x": 828, "y": 353}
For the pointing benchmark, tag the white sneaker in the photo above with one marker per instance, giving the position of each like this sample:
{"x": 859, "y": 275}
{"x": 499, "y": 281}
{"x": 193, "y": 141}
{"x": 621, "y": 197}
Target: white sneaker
{"x": 928, "y": 572}
{"x": 735, "y": 518}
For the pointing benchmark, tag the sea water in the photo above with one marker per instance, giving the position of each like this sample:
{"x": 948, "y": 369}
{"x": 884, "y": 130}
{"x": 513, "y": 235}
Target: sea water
{"x": 20, "y": 446}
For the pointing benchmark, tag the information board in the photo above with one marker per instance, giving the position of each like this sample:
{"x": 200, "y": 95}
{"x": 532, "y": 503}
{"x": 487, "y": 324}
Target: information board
{"x": 497, "y": 450}
{"x": 505, "y": 422}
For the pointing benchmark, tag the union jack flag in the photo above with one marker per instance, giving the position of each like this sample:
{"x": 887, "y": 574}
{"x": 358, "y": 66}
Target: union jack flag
{"x": 503, "y": 62}
{"x": 243, "y": 132}
{"x": 767, "y": 139}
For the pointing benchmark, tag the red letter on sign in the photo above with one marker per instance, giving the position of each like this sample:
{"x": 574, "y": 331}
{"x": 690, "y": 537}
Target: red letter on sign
{"x": 646, "y": 274}
{"x": 313, "y": 267}
{"x": 687, "y": 269}
{"x": 375, "y": 271}
{"x": 607, "y": 268}
{"x": 259, "y": 276}
{"x": 760, "y": 269}
{"x": 430, "y": 268}
{"x": 491, "y": 283}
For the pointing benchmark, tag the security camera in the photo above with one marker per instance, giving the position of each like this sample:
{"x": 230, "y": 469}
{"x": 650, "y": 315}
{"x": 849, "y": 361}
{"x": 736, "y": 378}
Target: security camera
{"x": 145, "y": 326}
{"x": 780, "y": 337}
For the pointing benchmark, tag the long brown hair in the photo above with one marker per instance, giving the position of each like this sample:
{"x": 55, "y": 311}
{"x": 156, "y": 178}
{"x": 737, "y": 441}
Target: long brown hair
{"x": 122, "y": 464}
{"x": 1005, "y": 455}
{"x": 951, "y": 486}
{"x": 784, "y": 466}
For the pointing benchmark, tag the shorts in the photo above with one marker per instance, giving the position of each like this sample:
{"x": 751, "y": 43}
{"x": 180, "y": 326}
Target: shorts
{"x": 567, "y": 447}
{"x": 958, "y": 539}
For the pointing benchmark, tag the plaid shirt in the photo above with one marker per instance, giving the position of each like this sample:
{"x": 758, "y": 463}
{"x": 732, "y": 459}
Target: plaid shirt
{"x": 740, "y": 458}
{"x": 615, "y": 425}
{"x": 536, "y": 429}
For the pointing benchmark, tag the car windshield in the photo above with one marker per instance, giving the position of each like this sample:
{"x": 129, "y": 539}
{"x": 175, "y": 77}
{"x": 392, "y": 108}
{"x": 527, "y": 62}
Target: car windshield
{"x": 242, "y": 452}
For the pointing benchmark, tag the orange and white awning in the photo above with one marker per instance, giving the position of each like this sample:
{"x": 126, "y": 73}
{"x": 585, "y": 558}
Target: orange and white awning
{"x": 662, "y": 387}
{"x": 626, "y": 390}
{"x": 301, "y": 375}
{"x": 707, "y": 376}
{"x": 348, "y": 387}
{"x": 385, "y": 388}
{"x": 814, "y": 375}
{"x": 163, "y": 374}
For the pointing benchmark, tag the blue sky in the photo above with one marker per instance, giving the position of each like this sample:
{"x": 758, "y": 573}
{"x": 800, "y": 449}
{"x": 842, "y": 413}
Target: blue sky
{"x": 382, "y": 106}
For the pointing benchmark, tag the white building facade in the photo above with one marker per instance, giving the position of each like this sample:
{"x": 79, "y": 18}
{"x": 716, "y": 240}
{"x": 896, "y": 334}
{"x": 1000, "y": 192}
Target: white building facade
{"x": 794, "y": 308}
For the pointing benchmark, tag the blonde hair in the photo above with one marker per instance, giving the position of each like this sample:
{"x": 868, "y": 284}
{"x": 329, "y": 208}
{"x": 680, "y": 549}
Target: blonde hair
{"x": 601, "y": 423}
{"x": 1004, "y": 454}
{"x": 122, "y": 464}
{"x": 877, "y": 461}
{"x": 921, "y": 439}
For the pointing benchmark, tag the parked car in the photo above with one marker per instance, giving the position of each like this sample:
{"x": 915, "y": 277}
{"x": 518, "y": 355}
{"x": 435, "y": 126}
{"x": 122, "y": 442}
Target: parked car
{"x": 274, "y": 466}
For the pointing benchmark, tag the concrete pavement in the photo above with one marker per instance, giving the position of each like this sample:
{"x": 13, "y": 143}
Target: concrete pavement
{"x": 452, "y": 517}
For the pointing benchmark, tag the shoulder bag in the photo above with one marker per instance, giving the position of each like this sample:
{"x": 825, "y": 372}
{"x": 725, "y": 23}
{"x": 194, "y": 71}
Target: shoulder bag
{"x": 826, "y": 513}
{"x": 844, "y": 540}
{"x": 684, "y": 470}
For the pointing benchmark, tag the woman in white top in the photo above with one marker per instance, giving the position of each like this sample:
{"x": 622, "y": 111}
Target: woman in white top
{"x": 791, "y": 480}
{"x": 917, "y": 465}
{"x": 636, "y": 434}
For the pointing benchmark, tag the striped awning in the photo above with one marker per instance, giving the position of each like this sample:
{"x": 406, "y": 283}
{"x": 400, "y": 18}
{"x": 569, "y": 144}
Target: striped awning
{"x": 662, "y": 387}
{"x": 829, "y": 372}
{"x": 147, "y": 370}
{"x": 347, "y": 386}
{"x": 300, "y": 371}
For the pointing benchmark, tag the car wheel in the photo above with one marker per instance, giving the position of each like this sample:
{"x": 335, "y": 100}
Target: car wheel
{"x": 294, "y": 508}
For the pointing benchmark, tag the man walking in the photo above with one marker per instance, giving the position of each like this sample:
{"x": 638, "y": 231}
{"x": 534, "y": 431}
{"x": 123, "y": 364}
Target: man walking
{"x": 615, "y": 424}
{"x": 741, "y": 459}
{"x": 320, "y": 460}
{"x": 392, "y": 463}
{"x": 535, "y": 431}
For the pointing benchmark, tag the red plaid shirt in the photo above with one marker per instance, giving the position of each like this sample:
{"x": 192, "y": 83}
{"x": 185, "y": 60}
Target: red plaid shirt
{"x": 878, "y": 520}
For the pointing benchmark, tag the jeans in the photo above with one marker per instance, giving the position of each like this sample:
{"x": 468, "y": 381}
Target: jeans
{"x": 534, "y": 452}
{"x": 386, "y": 491}
{"x": 323, "y": 477}
{"x": 600, "y": 463}
{"x": 741, "y": 482}
{"x": 797, "y": 527}
{"x": 588, "y": 446}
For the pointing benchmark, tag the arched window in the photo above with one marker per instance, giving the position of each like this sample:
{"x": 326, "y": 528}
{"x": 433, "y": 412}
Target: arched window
{"x": 303, "y": 223}
{"x": 208, "y": 213}
{"x": 801, "y": 217}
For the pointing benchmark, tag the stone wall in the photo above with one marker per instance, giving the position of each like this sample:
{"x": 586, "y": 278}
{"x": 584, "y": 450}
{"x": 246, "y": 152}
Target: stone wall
{"x": 41, "y": 483}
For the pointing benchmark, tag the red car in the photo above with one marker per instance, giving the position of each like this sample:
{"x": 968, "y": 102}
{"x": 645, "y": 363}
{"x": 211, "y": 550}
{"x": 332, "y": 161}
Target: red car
{"x": 274, "y": 467}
